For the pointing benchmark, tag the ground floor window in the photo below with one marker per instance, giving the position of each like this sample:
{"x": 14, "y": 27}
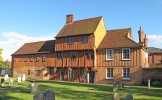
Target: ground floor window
{"x": 50, "y": 70}
{"x": 82, "y": 73}
{"x": 37, "y": 72}
{"x": 70, "y": 74}
{"x": 109, "y": 73}
{"x": 28, "y": 72}
{"x": 126, "y": 73}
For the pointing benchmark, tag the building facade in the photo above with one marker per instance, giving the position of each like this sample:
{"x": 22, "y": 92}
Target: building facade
{"x": 84, "y": 51}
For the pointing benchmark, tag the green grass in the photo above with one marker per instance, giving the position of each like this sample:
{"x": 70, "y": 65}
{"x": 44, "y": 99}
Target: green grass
{"x": 74, "y": 91}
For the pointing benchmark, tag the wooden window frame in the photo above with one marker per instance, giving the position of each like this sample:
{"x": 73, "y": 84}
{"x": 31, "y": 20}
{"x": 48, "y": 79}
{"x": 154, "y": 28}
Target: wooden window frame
{"x": 126, "y": 73}
{"x": 123, "y": 54}
{"x": 112, "y": 50}
{"x": 84, "y": 39}
{"x": 109, "y": 73}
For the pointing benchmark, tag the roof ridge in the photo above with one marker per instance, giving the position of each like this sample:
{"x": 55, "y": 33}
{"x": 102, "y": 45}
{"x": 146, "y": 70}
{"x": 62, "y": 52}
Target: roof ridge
{"x": 39, "y": 41}
{"x": 88, "y": 19}
{"x": 119, "y": 29}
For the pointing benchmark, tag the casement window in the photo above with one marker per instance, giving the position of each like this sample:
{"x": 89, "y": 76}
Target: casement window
{"x": 70, "y": 39}
{"x": 32, "y": 58}
{"x": 37, "y": 72}
{"x": 60, "y": 55}
{"x": 28, "y": 72}
{"x": 126, "y": 73}
{"x": 20, "y": 58}
{"x": 109, "y": 73}
{"x": 73, "y": 55}
{"x": 126, "y": 54}
{"x": 85, "y": 39}
{"x": 109, "y": 54}
{"x": 89, "y": 54}
{"x": 44, "y": 57}
{"x": 38, "y": 58}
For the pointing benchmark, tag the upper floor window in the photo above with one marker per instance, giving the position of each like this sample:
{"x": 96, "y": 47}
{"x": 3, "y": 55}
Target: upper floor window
{"x": 126, "y": 73}
{"x": 32, "y": 58}
{"x": 126, "y": 54}
{"x": 38, "y": 58}
{"x": 25, "y": 58}
{"x": 60, "y": 55}
{"x": 109, "y": 54}
{"x": 15, "y": 59}
{"x": 85, "y": 39}
{"x": 44, "y": 57}
{"x": 70, "y": 39}
{"x": 109, "y": 73}
{"x": 73, "y": 55}
{"x": 89, "y": 54}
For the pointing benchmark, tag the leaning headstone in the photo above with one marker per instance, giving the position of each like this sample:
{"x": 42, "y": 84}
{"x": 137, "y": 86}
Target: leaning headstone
{"x": 148, "y": 83}
{"x": 34, "y": 87}
{"x": 38, "y": 96}
{"x": 23, "y": 77}
{"x": 49, "y": 95}
{"x": 6, "y": 78}
{"x": 10, "y": 81}
{"x": 115, "y": 96}
{"x": 129, "y": 97}
{"x": 19, "y": 79}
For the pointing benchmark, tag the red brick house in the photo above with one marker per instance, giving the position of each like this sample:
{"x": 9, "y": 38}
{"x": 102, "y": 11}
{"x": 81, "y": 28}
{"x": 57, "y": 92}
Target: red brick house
{"x": 84, "y": 51}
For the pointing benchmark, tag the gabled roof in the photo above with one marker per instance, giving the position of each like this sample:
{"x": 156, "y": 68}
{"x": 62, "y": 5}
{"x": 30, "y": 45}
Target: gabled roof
{"x": 154, "y": 50}
{"x": 81, "y": 27}
{"x": 118, "y": 38}
{"x": 36, "y": 47}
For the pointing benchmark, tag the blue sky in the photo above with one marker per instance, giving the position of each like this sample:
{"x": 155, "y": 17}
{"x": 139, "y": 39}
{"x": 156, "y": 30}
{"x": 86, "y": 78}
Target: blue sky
{"x": 33, "y": 20}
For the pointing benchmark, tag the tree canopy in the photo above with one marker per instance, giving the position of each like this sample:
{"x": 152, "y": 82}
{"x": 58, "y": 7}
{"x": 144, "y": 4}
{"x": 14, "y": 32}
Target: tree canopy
{"x": 1, "y": 58}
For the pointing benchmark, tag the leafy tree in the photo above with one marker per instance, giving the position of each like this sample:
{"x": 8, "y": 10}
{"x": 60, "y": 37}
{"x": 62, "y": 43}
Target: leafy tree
{"x": 5, "y": 64}
{"x": 1, "y": 59}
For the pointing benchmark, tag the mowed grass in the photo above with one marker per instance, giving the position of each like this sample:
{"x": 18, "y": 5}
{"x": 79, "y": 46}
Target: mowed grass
{"x": 75, "y": 91}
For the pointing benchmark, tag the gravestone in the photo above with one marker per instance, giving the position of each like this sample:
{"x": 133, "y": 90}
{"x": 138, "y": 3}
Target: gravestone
{"x": 6, "y": 78}
{"x": 2, "y": 81}
{"x": 38, "y": 96}
{"x": 10, "y": 81}
{"x": 19, "y": 79}
{"x": 129, "y": 97}
{"x": 49, "y": 95}
{"x": 115, "y": 96}
{"x": 114, "y": 87}
{"x": 34, "y": 87}
{"x": 23, "y": 77}
{"x": 148, "y": 83}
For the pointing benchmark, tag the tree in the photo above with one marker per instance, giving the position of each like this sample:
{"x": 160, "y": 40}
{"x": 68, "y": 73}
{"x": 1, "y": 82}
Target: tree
{"x": 5, "y": 64}
{"x": 1, "y": 59}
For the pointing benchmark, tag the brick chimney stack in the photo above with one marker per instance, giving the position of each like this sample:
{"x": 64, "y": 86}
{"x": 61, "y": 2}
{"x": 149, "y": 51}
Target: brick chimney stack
{"x": 69, "y": 18}
{"x": 141, "y": 35}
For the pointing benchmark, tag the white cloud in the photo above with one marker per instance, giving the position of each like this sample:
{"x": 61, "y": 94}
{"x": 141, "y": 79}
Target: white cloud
{"x": 155, "y": 38}
{"x": 11, "y": 41}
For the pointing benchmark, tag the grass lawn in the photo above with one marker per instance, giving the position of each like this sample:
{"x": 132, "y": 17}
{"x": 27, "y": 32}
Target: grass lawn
{"x": 74, "y": 91}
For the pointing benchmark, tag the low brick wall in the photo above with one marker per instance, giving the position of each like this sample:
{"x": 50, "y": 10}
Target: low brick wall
{"x": 151, "y": 73}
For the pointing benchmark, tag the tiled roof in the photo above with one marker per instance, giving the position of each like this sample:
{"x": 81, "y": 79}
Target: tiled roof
{"x": 36, "y": 47}
{"x": 86, "y": 26}
{"x": 154, "y": 50}
{"x": 118, "y": 39}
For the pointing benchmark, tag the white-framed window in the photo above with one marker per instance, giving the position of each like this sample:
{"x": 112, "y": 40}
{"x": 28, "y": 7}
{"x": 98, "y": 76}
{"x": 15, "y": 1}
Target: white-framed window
{"x": 70, "y": 39}
{"x": 38, "y": 57}
{"x": 126, "y": 54}
{"x": 44, "y": 57}
{"x": 126, "y": 73}
{"x": 85, "y": 39}
{"x": 109, "y": 73}
{"x": 109, "y": 54}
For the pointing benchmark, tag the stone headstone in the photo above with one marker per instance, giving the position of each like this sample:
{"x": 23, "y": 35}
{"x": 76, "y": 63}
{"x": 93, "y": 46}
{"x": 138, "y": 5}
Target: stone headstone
{"x": 38, "y": 96}
{"x": 6, "y": 78}
{"x": 23, "y": 77}
{"x": 149, "y": 83}
{"x": 34, "y": 87}
{"x": 10, "y": 81}
{"x": 116, "y": 96}
{"x": 19, "y": 79}
{"x": 114, "y": 87}
{"x": 129, "y": 97}
{"x": 49, "y": 95}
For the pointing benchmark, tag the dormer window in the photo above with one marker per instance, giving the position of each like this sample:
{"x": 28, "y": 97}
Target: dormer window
{"x": 70, "y": 39}
{"x": 126, "y": 54}
{"x": 85, "y": 39}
